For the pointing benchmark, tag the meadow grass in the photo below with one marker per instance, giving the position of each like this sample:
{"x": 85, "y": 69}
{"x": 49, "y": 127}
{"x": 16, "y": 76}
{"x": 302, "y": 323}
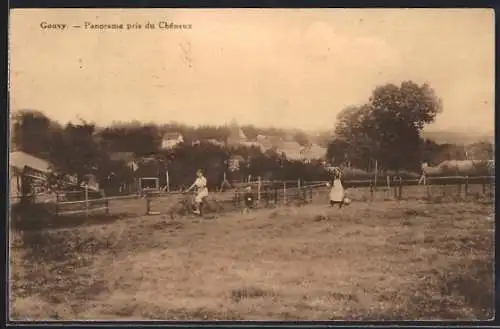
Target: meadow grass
{"x": 368, "y": 261}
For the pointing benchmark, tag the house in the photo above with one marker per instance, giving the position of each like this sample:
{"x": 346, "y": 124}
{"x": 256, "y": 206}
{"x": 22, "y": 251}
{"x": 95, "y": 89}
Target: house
{"x": 261, "y": 138}
{"x": 18, "y": 160}
{"x": 215, "y": 142}
{"x": 171, "y": 140}
{"x": 254, "y": 144}
{"x": 291, "y": 149}
{"x": 294, "y": 151}
{"x": 235, "y": 162}
{"x": 27, "y": 174}
{"x": 312, "y": 152}
{"x": 269, "y": 142}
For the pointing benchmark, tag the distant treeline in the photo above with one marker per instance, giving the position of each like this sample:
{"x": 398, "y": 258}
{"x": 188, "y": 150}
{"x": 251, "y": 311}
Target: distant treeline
{"x": 383, "y": 134}
{"x": 79, "y": 149}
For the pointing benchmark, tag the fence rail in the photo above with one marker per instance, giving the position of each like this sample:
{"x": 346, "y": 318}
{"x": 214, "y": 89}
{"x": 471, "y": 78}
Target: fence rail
{"x": 286, "y": 192}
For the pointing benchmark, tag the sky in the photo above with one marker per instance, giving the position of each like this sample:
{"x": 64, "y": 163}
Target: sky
{"x": 275, "y": 67}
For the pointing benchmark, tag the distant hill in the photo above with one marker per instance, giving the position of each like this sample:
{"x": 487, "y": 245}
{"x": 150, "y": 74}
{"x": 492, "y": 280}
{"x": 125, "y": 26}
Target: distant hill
{"x": 438, "y": 136}
{"x": 454, "y": 137}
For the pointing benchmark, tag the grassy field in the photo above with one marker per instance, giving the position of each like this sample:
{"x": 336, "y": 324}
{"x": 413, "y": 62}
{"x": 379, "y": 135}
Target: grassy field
{"x": 382, "y": 260}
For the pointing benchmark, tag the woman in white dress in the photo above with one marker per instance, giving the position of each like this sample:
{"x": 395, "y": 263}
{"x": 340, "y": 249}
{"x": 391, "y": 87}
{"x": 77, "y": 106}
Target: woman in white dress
{"x": 423, "y": 177}
{"x": 337, "y": 191}
{"x": 201, "y": 190}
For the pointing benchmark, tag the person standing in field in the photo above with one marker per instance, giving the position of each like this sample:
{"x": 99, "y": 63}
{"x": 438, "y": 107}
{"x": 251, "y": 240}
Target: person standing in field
{"x": 337, "y": 191}
{"x": 201, "y": 189}
{"x": 423, "y": 177}
{"x": 249, "y": 199}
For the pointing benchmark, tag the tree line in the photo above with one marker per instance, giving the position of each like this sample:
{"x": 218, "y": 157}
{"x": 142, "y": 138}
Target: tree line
{"x": 82, "y": 148}
{"x": 386, "y": 130}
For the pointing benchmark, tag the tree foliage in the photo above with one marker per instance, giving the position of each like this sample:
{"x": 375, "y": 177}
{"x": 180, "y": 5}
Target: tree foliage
{"x": 32, "y": 132}
{"x": 388, "y": 127}
{"x": 82, "y": 148}
{"x": 75, "y": 151}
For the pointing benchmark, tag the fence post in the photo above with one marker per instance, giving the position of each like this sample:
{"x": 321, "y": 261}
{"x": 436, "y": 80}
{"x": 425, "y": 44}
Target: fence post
{"x": 168, "y": 181}
{"x": 299, "y": 190}
{"x": 388, "y": 180}
{"x": 259, "y": 185}
{"x": 284, "y": 193}
{"x": 492, "y": 188}
{"x": 57, "y": 204}
{"x": 371, "y": 189}
{"x": 466, "y": 186}
{"x": 400, "y": 196}
{"x": 86, "y": 200}
{"x": 428, "y": 188}
{"x": 148, "y": 204}
{"x": 107, "y": 206}
{"x": 236, "y": 199}
{"x": 276, "y": 195}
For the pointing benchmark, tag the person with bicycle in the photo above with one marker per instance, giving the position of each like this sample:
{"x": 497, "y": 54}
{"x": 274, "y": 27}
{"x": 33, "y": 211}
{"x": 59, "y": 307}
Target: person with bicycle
{"x": 201, "y": 190}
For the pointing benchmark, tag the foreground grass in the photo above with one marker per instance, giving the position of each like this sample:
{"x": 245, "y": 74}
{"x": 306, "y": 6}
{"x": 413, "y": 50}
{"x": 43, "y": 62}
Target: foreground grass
{"x": 385, "y": 260}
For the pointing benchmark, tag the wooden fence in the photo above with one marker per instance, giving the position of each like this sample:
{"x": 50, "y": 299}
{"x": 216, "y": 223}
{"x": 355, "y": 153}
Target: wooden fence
{"x": 287, "y": 192}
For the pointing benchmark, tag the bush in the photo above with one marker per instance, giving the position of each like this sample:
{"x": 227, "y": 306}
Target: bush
{"x": 27, "y": 215}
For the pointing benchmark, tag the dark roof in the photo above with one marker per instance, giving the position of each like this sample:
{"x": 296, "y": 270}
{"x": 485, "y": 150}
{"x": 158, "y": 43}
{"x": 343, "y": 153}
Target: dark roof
{"x": 20, "y": 159}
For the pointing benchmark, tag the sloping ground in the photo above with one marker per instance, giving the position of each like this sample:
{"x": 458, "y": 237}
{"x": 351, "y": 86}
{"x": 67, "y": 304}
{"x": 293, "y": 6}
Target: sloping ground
{"x": 456, "y": 137}
{"x": 384, "y": 260}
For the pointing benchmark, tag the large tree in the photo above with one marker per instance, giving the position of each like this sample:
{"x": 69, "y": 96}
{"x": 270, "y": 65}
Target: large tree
{"x": 75, "y": 151}
{"x": 388, "y": 127}
{"x": 31, "y": 132}
{"x": 354, "y": 137}
{"x": 142, "y": 140}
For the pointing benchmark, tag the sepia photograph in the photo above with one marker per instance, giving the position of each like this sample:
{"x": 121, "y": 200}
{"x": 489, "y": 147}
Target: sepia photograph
{"x": 251, "y": 164}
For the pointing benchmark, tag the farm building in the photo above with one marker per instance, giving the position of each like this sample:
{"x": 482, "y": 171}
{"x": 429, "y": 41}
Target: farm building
{"x": 253, "y": 144}
{"x": 291, "y": 149}
{"x": 171, "y": 140}
{"x": 28, "y": 175}
{"x": 215, "y": 142}
{"x": 294, "y": 151}
{"x": 312, "y": 152}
